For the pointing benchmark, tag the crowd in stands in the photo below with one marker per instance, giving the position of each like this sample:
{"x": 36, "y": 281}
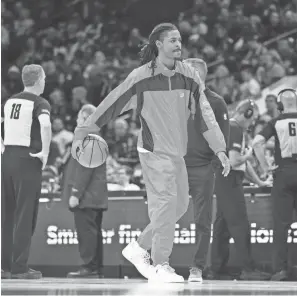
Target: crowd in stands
{"x": 86, "y": 49}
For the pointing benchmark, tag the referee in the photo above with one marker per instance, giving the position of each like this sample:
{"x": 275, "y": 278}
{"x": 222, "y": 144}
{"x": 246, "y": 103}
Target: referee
{"x": 27, "y": 137}
{"x": 284, "y": 192}
{"x": 200, "y": 161}
{"x": 231, "y": 216}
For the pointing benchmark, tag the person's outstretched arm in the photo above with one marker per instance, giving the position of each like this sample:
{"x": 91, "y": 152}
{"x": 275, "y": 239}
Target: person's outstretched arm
{"x": 119, "y": 100}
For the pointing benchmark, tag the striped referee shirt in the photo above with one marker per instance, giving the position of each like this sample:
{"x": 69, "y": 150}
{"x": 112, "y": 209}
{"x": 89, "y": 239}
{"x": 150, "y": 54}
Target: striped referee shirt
{"x": 21, "y": 124}
{"x": 284, "y": 129}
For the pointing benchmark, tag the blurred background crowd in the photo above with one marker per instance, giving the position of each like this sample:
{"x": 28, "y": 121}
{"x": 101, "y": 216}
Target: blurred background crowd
{"x": 87, "y": 47}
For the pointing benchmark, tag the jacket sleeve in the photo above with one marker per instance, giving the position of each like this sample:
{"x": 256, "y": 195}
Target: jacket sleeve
{"x": 209, "y": 126}
{"x": 79, "y": 180}
{"x": 119, "y": 100}
{"x": 222, "y": 117}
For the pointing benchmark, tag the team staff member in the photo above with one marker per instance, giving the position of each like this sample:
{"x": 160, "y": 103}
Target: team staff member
{"x": 164, "y": 91}
{"x": 284, "y": 192}
{"x": 201, "y": 176}
{"x": 27, "y": 137}
{"x": 86, "y": 192}
{"x": 231, "y": 217}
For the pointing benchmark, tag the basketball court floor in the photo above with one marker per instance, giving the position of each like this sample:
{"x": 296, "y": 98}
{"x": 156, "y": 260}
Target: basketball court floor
{"x": 136, "y": 287}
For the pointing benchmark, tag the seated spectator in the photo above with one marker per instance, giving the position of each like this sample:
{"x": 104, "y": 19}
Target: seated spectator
{"x": 255, "y": 48}
{"x": 123, "y": 182}
{"x": 123, "y": 145}
{"x": 135, "y": 39}
{"x": 250, "y": 87}
{"x": 79, "y": 98}
{"x": 30, "y": 54}
{"x": 271, "y": 71}
{"x": 14, "y": 82}
{"x": 23, "y": 25}
{"x": 58, "y": 103}
{"x": 61, "y": 136}
{"x": 98, "y": 63}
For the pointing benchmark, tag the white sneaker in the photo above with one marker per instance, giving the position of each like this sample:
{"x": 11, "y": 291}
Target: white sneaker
{"x": 195, "y": 275}
{"x": 140, "y": 258}
{"x": 166, "y": 274}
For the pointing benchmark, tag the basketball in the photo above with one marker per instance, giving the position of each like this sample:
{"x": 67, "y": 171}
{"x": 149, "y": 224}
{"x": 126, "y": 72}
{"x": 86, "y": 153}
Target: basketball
{"x": 93, "y": 153}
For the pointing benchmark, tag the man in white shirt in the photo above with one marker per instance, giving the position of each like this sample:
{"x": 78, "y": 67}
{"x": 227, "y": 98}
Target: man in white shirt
{"x": 250, "y": 86}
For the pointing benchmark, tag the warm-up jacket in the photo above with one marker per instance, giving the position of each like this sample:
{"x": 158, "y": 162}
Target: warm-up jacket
{"x": 164, "y": 102}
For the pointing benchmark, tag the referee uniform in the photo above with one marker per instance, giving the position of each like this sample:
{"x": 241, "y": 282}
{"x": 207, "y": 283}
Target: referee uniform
{"x": 284, "y": 192}
{"x": 21, "y": 178}
{"x": 231, "y": 218}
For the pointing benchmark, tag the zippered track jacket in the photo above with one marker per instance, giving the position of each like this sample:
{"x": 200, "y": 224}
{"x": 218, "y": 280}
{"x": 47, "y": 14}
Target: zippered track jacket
{"x": 164, "y": 103}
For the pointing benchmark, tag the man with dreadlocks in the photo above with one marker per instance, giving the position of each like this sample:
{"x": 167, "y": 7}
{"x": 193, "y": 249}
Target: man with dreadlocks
{"x": 164, "y": 91}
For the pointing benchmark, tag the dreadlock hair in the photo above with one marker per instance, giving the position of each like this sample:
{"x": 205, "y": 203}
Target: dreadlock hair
{"x": 149, "y": 52}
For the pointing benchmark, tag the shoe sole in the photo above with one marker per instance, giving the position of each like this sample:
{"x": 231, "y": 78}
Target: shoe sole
{"x": 278, "y": 278}
{"x": 27, "y": 277}
{"x": 167, "y": 282}
{"x": 6, "y": 276}
{"x": 195, "y": 281}
{"x": 124, "y": 253}
{"x": 82, "y": 277}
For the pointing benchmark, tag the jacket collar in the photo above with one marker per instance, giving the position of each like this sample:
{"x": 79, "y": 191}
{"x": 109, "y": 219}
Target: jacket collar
{"x": 162, "y": 69}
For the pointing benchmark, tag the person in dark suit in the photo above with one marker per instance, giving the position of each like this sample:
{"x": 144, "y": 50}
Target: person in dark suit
{"x": 86, "y": 191}
{"x": 200, "y": 161}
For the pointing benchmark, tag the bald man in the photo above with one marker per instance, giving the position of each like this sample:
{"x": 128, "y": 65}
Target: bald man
{"x": 86, "y": 192}
{"x": 284, "y": 192}
{"x": 199, "y": 161}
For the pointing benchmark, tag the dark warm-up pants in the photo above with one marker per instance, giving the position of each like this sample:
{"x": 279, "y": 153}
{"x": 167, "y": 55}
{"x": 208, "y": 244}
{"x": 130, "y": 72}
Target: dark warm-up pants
{"x": 231, "y": 220}
{"x": 21, "y": 187}
{"x": 166, "y": 181}
{"x": 284, "y": 195}
{"x": 88, "y": 223}
{"x": 201, "y": 184}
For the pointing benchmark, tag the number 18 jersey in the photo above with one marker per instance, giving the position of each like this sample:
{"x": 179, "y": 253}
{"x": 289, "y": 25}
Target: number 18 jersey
{"x": 284, "y": 129}
{"x": 21, "y": 124}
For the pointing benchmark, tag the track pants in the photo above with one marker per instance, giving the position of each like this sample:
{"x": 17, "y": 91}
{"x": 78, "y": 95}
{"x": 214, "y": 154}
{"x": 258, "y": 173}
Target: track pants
{"x": 21, "y": 188}
{"x": 284, "y": 196}
{"x": 201, "y": 184}
{"x": 88, "y": 223}
{"x": 167, "y": 189}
